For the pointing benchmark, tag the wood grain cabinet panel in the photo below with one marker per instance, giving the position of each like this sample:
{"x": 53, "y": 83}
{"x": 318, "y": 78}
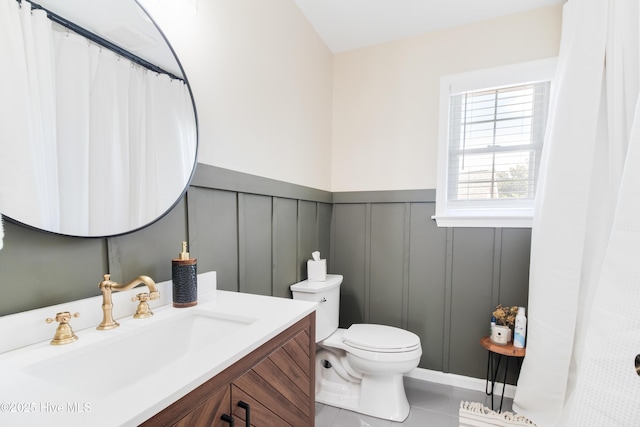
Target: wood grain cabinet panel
{"x": 277, "y": 389}
{"x": 208, "y": 413}
{"x": 277, "y": 381}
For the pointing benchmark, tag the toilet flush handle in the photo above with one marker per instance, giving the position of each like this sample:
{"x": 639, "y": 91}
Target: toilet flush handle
{"x": 323, "y": 299}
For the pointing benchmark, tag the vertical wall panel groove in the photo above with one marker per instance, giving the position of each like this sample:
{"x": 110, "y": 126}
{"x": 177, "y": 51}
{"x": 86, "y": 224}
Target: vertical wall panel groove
{"x": 367, "y": 264}
{"x": 497, "y": 262}
{"x": 242, "y": 261}
{"x": 238, "y": 239}
{"x": 274, "y": 246}
{"x": 406, "y": 252}
{"x": 307, "y": 241}
{"x": 323, "y": 235}
{"x": 285, "y": 243}
{"x": 447, "y": 301}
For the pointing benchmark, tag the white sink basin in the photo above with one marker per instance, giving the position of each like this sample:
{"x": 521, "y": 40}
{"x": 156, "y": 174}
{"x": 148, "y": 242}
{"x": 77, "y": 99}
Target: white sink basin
{"x": 107, "y": 366}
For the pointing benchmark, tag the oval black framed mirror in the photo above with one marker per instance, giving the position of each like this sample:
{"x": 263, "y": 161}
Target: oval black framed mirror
{"x": 99, "y": 125}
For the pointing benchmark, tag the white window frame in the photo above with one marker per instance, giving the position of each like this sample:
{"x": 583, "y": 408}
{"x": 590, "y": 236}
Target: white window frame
{"x": 483, "y": 213}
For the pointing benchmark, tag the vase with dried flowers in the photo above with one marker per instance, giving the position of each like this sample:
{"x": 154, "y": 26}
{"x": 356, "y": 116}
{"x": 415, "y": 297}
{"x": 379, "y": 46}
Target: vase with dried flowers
{"x": 505, "y": 319}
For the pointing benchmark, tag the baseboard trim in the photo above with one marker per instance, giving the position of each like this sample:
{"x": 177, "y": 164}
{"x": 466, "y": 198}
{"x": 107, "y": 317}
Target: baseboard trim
{"x": 461, "y": 381}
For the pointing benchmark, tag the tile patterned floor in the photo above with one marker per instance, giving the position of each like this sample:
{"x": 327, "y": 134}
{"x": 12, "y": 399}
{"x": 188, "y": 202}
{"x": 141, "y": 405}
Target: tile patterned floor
{"x": 432, "y": 405}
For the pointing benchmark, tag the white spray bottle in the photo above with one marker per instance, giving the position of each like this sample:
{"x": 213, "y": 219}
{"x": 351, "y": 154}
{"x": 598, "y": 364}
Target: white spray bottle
{"x": 520, "y": 329}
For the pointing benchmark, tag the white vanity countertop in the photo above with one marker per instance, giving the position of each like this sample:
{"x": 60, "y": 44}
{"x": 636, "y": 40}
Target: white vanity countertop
{"x": 28, "y": 400}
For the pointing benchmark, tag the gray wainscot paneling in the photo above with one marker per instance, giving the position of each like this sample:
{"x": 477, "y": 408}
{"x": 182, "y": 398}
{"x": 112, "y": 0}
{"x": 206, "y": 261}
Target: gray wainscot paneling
{"x": 256, "y": 233}
{"x": 402, "y": 270}
{"x": 399, "y": 268}
{"x": 39, "y": 269}
{"x": 213, "y": 230}
{"x": 427, "y": 276}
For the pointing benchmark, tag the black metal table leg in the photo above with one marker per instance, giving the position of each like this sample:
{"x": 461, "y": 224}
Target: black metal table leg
{"x": 504, "y": 382}
{"x": 492, "y": 376}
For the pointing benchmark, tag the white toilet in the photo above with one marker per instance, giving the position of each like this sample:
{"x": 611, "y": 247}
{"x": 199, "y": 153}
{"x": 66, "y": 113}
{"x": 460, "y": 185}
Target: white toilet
{"x": 359, "y": 368}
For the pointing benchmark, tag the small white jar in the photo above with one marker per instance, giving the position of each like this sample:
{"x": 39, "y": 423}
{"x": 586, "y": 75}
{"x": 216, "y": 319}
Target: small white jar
{"x": 500, "y": 335}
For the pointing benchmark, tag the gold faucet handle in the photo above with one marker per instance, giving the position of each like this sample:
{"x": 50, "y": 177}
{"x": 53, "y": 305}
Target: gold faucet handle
{"x": 143, "y": 310}
{"x": 64, "y": 334}
{"x": 143, "y": 297}
{"x": 62, "y": 317}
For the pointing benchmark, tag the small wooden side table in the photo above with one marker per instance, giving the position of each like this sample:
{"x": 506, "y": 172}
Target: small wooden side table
{"x": 496, "y": 352}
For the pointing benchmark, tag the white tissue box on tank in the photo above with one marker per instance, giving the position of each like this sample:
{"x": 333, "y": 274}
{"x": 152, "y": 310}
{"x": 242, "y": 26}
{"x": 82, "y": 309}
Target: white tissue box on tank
{"x": 317, "y": 270}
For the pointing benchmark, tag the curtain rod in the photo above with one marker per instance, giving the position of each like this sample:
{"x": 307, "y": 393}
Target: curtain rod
{"x": 101, "y": 41}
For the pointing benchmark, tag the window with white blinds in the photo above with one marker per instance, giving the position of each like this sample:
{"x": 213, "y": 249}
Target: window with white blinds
{"x": 495, "y": 142}
{"x": 494, "y": 138}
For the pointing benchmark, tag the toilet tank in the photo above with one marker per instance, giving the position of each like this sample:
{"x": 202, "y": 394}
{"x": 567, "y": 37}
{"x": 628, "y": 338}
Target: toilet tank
{"x": 327, "y": 295}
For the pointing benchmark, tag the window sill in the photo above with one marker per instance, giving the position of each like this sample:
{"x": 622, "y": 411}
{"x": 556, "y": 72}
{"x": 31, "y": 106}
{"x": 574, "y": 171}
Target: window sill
{"x": 484, "y": 221}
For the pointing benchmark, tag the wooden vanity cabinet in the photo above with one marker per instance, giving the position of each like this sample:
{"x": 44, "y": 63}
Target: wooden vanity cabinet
{"x": 277, "y": 381}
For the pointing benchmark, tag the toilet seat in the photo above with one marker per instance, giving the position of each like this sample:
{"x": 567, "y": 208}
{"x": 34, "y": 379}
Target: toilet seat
{"x": 409, "y": 355}
{"x": 380, "y": 338}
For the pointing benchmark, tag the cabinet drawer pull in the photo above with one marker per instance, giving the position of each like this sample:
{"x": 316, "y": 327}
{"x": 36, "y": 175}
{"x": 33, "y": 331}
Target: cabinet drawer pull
{"x": 247, "y": 408}
{"x": 227, "y": 418}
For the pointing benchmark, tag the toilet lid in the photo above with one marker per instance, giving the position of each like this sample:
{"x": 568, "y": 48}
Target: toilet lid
{"x": 380, "y": 338}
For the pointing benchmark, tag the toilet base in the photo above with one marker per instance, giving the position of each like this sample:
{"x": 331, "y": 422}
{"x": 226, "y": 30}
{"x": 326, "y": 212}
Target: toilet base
{"x": 380, "y": 396}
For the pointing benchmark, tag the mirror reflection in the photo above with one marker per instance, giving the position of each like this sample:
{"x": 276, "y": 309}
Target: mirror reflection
{"x": 94, "y": 142}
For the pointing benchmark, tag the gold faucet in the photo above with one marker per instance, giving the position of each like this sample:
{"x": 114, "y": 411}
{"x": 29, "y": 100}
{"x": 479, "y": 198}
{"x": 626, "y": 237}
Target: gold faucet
{"x": 107, "y": 287}
{"x": 64, "y": 333}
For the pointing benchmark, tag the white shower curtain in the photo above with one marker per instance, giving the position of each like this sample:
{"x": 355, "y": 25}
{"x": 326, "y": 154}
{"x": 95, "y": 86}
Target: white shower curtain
{"x": 106, "y": 137}
{"x": 27, "y": 116}
{"x": 584, "y": 323}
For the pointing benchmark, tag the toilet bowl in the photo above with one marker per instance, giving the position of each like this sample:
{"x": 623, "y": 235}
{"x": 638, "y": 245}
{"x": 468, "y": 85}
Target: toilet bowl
{"x": 359, "y": 368}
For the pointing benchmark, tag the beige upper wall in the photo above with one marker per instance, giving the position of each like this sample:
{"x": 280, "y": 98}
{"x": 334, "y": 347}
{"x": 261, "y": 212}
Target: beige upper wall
{"x": 262, "y": 81}
{"x": 386, "y": 97}
{"x": 273, "y": 101}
